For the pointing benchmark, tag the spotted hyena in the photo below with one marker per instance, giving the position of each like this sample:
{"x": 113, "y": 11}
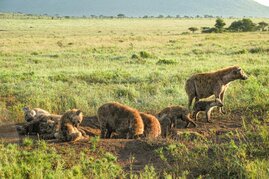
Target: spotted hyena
{"x": 119, "y": 118}
{"x": 152, "y": 127}
{"x": 49, "y": 126}
{"x": 69, "y": 124}
{"x": 206, "y": 106}
{"x": 215, "y": 83}
{"x": 46, "y": 126}
{"x": 170, "y": 115}
{"x": 31, "y": 114}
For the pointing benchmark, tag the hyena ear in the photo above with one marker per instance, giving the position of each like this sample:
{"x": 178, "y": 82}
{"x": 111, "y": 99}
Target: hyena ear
{"x": 79, "y": 112}
{"x": 26, "y": 108}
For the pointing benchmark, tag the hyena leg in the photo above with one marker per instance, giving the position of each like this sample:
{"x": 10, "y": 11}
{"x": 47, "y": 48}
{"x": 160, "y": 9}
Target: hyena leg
{"x": 73, "y": 133}
{"x": 108, "y": 133}
{"x": 103, "y": 130}
{"x": 191, "y": 97}
{"x": 208, "y": 114}
{"x": 222, "y": 100}
{"x": 218, "y": 93}
{"x": 189, "y": 120}
{"x": 76, "y": 136}
{"x": 82, "y": 132}
{"x": 195, "y": 115}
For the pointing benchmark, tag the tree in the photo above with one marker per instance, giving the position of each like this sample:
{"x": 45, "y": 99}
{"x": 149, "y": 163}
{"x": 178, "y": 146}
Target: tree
{"x": 193, "y": 29}
{"x": 244, "y": 25}
{"x": 262, "y": 25}
{"x": 220, "y": 24}
{"x": 121, "y": 15}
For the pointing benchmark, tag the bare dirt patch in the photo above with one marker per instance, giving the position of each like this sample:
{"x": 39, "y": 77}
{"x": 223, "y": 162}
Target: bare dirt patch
{"x": 142, "y": 151}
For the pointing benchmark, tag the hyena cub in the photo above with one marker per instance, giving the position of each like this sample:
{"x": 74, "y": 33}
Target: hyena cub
{"x": 69, "y": 124}
{"x": 46, "y": 126}
{"x": 152, "y": 127}
{"x": 170, "y": 115}
{"x": 31, "y": 114}
{"x": 124, "y": 120}
{"x": 32, "y": 119}
{"x": 206, "y": 106}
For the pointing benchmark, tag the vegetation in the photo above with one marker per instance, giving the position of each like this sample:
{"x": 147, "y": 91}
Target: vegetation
{"x": 262, "y": 25}
{"x": 73, "y": 63}
{"x": 193, "y": 29}
{"x": 58, "y": 64}
{"x": 244, "y": 25}
{"x": 220, "y": 24}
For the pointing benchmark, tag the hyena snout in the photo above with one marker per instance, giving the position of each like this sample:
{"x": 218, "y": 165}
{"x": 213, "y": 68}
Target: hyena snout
{"x": 243, "y": 75}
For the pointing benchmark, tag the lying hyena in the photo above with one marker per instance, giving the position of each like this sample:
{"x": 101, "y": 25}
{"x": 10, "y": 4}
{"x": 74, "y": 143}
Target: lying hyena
{"x": 168, "y": 117}
{"x": 49, "y": 126}
{"x": 31, "y": 114}
{"x": 46, "y": 126}
{"x": 69, "y": 124}
{"x": 204, "y": 85}
{"x": 124, "y": 120}
{"x": 152, "y": 127}
{"x": 206, "y": 106}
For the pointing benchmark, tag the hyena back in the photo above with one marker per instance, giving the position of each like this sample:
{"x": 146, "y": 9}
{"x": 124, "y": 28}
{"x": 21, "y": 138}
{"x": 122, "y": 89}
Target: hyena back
{"x": 152, "y": 127}
{"x": 119, "y": 118}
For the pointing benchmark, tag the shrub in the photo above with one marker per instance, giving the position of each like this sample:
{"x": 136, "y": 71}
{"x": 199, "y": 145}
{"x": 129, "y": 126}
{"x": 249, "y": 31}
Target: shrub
{"x": 166, "y": 62}
{"x": 144, "y": 54}
{"x": 244, "y": 25}
{"x": 193, "y": 29}
{"x": 220, "y": 24}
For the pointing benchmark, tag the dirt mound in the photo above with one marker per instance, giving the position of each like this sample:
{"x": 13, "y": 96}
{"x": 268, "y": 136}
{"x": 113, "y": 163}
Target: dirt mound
{"x": 141, "y": 150}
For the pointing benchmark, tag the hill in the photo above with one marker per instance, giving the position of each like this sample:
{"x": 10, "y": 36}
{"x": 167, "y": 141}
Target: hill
{"x": 226, "y": 8}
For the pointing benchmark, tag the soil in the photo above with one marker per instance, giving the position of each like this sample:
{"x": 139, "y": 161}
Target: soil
{"x": 141, "y": 150}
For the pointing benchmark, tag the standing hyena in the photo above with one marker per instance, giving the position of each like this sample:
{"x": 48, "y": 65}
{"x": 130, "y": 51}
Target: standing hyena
{"x": 204, "y": 85}
{"x": 168, "y": 117}
{"x": 69, "y": 124}
{"x": 124, "y": 120}
{"x": 152, "y": 127}
{"x": 206, "y": 106}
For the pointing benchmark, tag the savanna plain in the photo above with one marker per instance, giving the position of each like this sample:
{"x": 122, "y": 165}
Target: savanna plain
{"x": 59, "y": 64}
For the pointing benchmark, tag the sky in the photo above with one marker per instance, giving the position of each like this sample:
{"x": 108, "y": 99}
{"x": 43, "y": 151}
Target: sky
{"x": 264, "y": 2}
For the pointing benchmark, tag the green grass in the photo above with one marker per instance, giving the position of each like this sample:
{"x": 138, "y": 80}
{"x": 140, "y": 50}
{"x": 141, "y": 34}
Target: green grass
{"x": 82, "y": 63}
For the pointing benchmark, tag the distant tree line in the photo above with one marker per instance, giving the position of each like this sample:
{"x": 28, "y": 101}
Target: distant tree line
{"x": 244, "y": 25}
{"x": 120, "y": 15}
